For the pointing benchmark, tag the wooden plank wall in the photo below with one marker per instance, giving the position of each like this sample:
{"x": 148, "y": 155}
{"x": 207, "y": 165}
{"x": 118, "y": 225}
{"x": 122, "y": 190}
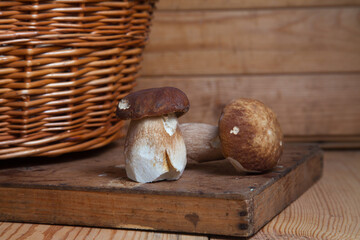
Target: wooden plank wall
{"x": 302, "y": 58}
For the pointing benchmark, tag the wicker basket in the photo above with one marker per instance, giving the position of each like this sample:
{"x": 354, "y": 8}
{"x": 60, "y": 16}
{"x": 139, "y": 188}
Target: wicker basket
{"x": 64, "y": 65}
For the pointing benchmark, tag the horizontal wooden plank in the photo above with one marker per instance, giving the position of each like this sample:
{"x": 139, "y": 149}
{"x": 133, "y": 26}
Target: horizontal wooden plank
{"x": 254, "y": 42}
{"x": 317, "y": 105}
{"x": 246, "y": 4}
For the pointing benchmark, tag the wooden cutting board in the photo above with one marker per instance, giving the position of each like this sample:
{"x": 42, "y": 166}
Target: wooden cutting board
{"x": 91, "y": 189}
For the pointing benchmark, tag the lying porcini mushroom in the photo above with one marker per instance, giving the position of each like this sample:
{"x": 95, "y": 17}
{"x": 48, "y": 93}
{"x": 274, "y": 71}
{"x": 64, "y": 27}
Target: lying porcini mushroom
{"x": 154, "y": 147}
{"x": 249, "y": 135}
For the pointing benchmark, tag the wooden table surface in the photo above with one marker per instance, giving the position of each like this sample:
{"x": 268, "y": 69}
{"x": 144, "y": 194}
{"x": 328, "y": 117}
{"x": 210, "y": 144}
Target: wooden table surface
{"x": 329, "y": 210}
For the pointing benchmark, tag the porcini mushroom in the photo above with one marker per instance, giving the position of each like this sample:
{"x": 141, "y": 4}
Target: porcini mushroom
{"x": 154, "y": 147}
{"x": 248, "y": 134}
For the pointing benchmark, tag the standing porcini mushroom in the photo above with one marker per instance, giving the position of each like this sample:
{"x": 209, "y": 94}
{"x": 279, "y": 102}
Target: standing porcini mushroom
{"x": 154, "y": 147}
{"x": 249, "y": 135}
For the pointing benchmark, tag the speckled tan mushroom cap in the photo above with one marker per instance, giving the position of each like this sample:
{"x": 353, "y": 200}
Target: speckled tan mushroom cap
{"x": 153, "y": 102}
{"x": 250, "y": 134}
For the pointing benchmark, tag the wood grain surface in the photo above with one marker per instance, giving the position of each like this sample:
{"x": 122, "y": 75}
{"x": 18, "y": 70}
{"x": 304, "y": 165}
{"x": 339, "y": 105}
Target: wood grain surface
{"x": 320, "y": 40}
{"x": 91, "y": 189}
{"x": 301, "y": 58}
{"x": 22, "y": 231}
{"x": 329, "y": 210}
{"x": 246, "y": 4}
{"x": 306, "y": 105}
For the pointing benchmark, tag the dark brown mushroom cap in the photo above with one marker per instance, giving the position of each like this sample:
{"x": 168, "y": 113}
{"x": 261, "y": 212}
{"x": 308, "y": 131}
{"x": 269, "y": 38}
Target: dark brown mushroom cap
{"x": 250, "y": 133}
{"x": 153, "y": 102}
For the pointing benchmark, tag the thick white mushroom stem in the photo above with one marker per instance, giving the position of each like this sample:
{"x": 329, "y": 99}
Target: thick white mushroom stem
{"x": 202, "y": 142}
{"x": 154, "y": 149}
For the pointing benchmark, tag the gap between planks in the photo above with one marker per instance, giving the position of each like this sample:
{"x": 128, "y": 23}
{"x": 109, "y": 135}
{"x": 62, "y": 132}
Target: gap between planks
{"x": 188, "y": 5}
{"x": 238, "y": 75}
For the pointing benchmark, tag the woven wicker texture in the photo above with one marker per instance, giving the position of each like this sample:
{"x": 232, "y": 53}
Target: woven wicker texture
{"x": 64, "y": 65}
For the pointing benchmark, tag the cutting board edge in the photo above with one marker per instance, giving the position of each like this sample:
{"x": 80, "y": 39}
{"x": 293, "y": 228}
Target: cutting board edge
{"x": 230, "y": 217}
{"x": 289, "y": 190}
{"x": 190, "y": 214}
